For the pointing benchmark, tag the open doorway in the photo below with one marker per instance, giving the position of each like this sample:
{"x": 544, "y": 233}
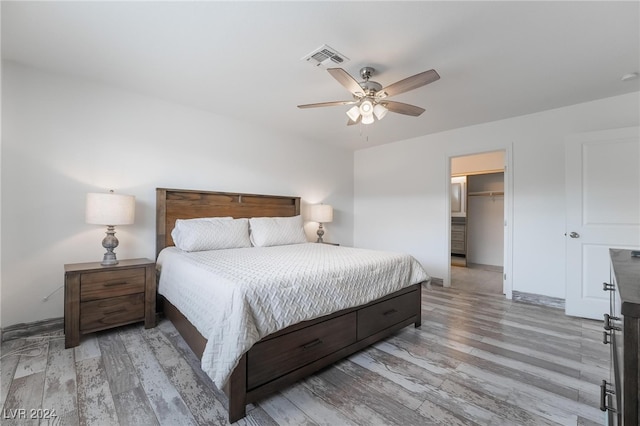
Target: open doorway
{"x": 478, "y": 222}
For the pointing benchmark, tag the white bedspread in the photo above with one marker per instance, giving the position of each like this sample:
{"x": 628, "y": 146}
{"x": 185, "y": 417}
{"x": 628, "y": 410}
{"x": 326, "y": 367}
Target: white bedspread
{"x": 235, "y": 297}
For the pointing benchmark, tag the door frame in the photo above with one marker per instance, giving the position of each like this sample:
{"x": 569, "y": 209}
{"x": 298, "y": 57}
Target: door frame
{"x": 507, "y": 282}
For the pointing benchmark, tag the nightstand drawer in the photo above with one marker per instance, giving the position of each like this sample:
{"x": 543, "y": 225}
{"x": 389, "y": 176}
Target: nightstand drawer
{"x": 105, "y": 313}
{"x": 100, "y": 285}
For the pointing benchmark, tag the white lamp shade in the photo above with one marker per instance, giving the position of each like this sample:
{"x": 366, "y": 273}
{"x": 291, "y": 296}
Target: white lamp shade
{"x": 110, "y": 209}
{"x": 366, "y": 108}
{"x": 380, "y": 111}
{"x": 321, "y": 213}
{"x": 367, "y": 119}
{"x": 354, "y": 113}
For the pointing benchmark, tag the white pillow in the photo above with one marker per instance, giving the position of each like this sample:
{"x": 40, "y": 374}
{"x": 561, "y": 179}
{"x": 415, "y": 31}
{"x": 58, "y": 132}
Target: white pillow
{"x": 276, "y": 231}
{"x": 211, "y": 233}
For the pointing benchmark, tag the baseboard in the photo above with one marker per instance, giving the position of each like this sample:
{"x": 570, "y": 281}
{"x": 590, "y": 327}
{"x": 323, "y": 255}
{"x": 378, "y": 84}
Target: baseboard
{"x": 537, "y": 299}
{"x": 437, "y": 281}
{"x": 522, "y": 297}
{"x": 492, "y": 268}
{"x": 21, "y": 330}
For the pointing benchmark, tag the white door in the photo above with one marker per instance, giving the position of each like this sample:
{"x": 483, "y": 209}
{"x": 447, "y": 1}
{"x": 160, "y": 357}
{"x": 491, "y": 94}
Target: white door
{"x": 603, "y": 211}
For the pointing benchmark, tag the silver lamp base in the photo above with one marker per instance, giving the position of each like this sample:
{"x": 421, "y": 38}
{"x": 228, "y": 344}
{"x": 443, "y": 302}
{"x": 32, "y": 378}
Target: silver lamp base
{"x": 110, "y": 242}
{"x": 320, "y": 233}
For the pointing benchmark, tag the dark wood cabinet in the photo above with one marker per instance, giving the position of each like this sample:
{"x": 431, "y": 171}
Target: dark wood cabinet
{"x": 99, "y": 297}
{"x": 620, "y": 394}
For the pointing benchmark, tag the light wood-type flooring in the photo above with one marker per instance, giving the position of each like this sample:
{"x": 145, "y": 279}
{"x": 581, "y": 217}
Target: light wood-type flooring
{"x": 477, "y": 359}
{"x": 477, "y": 278}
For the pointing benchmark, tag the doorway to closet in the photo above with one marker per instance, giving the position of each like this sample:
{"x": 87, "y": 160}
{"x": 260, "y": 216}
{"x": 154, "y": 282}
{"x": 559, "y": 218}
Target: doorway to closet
{"x": 477, "y": 222}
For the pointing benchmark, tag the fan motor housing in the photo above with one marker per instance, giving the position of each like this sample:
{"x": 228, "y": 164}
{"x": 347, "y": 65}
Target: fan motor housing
{"x": 370, "y": 87}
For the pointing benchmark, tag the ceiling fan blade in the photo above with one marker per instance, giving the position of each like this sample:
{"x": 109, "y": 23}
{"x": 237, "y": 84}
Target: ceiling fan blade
{"x": 409, "y": 83}
{"x": 402, "y": 108}
{"x": 326, "y": 104}
{"x": 347, "y": 81}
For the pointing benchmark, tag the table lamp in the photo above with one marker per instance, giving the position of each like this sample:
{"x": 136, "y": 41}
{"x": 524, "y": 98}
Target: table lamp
{"x": 110, "y": 209}
{"x": 321, "y": 213}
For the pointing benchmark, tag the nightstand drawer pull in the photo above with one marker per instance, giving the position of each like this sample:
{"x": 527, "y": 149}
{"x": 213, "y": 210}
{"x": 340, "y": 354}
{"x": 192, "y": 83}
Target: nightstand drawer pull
{"x": 115, "y": 283}
{"x": 115, "y": 311}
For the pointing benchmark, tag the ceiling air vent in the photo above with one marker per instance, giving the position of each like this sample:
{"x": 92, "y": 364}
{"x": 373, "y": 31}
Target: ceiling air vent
{"x": 325, "y": 56}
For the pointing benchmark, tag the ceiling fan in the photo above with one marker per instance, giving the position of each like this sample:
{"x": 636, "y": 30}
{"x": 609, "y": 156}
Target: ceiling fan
{"x": 370, "y": 98}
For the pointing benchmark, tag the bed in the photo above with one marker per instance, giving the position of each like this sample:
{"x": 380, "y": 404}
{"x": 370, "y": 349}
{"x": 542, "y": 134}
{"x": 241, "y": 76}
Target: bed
{"x": 277, "y": 356}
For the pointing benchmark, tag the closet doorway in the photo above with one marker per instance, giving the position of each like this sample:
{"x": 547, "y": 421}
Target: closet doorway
{"x": 478, "y": 222}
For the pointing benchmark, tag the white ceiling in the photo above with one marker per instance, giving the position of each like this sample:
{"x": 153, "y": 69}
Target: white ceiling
{"x": 243, "y": 59}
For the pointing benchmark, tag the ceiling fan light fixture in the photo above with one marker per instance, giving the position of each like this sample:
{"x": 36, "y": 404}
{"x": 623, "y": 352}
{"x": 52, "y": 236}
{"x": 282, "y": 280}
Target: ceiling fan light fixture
{"x": 366, "y": 108}
{"x": 367, "y": 119}
{"x": 380, "y": 111}
{"x": 353, "y": 113}
{"x": 368, "y": 102}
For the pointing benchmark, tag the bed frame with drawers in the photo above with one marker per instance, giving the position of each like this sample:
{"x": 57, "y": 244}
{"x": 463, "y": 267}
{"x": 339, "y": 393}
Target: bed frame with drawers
{"x": 291, "y": 354}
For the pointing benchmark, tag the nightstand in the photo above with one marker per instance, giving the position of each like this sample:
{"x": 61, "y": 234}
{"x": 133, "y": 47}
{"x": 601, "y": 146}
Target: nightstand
{"x": 99, "y": 297}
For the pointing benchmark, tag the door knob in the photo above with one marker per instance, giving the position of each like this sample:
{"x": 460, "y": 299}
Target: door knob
{"x": 574, "y": 235}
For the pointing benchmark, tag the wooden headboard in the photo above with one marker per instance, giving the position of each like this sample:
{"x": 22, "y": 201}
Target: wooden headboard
{"x": 172, "y": 204}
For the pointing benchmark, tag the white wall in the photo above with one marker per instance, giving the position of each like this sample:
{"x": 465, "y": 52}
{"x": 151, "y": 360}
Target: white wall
{"x": 0, "y": 189}
{"x": 400, "y": 188}
{"x": 485, "y": 219}
{"x": 62, "y": 138}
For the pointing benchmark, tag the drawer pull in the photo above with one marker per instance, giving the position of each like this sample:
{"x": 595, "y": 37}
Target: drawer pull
{"x": 389, "y": 312}
{"x": 114, "y": 283}
{"x": 607, "y": 323}
{"x": 115, "y": 311}
{"x": 605, "y": 339}
{"x": 311, "y": 344}
{"x": 604, "y": 391}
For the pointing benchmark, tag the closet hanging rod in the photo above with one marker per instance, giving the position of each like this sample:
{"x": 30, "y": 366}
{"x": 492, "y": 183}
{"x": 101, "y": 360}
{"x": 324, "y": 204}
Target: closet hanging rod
{"x": 486, "y": 193}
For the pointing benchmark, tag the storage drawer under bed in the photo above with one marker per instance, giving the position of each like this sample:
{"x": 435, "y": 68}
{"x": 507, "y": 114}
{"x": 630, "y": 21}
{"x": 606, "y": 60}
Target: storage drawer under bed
{"x": 275, "y": 357}
{"x": 380, "y": 316}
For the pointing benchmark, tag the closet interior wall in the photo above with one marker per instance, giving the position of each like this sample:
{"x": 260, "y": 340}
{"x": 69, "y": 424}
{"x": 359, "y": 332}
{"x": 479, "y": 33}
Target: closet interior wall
{"x": 485, "y": 219}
